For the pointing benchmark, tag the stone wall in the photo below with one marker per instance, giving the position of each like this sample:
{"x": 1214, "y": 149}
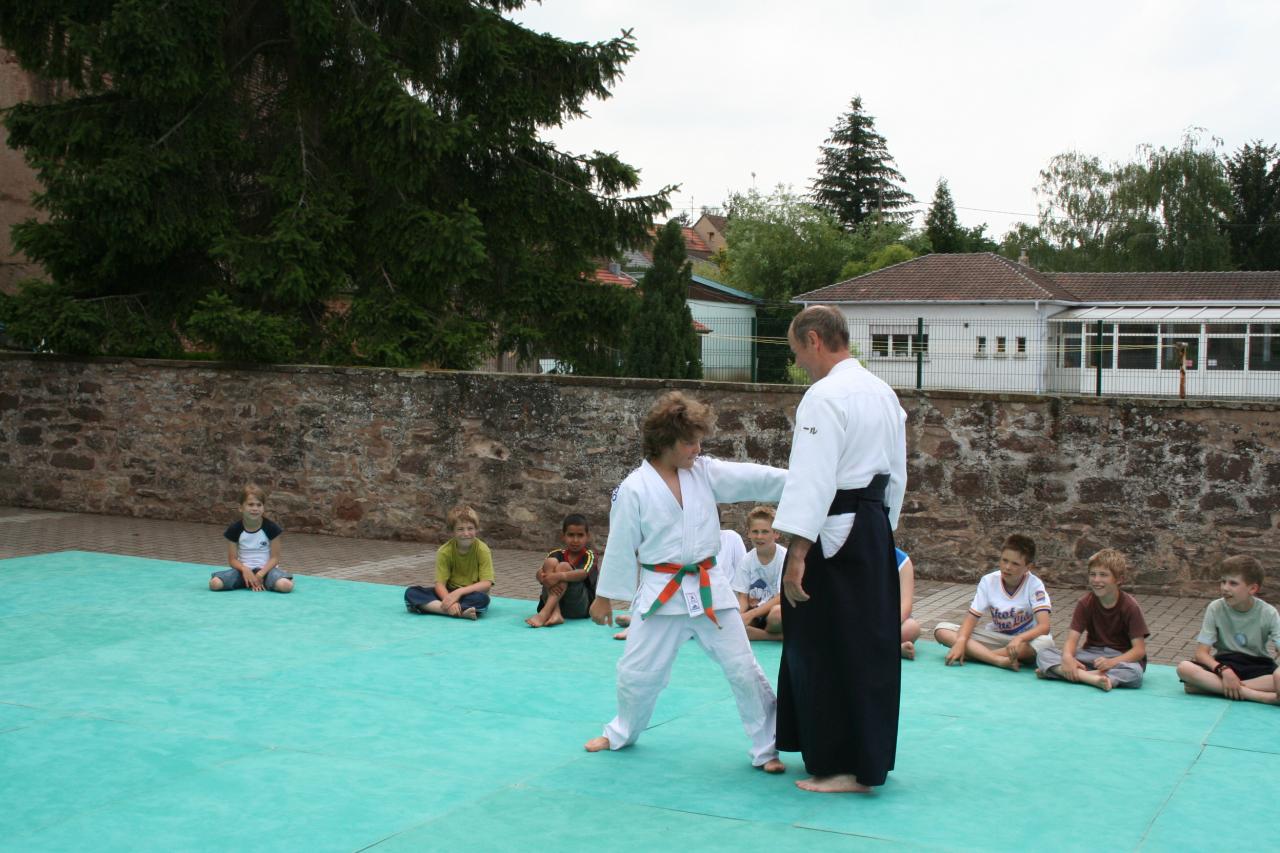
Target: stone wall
{"x": 385, "y": 453}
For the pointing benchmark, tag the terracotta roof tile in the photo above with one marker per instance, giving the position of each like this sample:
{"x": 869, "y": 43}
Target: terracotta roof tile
{"x": 987, "y": 277}
{"x": 605, "y": 276}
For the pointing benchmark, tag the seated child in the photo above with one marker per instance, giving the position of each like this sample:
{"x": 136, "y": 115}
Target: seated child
{"x": 758, "y": 581}
{"x": 1116, "y": 653}
{"x": 565, "y": 576}
{"x": 1019, "y": 608}
{"x": 906, "y": 592}
{"x": 1231, "y": 658}
{"x": 464, "y": 572}
{"x": 253, "y": 549}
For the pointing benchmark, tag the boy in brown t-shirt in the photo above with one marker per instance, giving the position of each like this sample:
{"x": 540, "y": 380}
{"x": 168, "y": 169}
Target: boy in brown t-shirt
{"x": 1116, "y": 654}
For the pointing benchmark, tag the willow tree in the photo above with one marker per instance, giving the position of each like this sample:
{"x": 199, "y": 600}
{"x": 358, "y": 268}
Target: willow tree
{"x": 329, "y": 180}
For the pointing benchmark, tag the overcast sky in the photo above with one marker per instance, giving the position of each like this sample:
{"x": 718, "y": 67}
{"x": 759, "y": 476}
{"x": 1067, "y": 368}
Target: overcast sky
{"x": 982, "y": 93}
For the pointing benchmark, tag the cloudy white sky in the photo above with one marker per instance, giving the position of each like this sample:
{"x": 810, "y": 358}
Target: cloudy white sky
{"x": 980, "y": 92}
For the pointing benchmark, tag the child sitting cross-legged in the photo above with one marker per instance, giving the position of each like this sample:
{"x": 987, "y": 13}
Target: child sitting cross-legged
{"x": 464, "y": 572}
{"x": 1115, "y": 654}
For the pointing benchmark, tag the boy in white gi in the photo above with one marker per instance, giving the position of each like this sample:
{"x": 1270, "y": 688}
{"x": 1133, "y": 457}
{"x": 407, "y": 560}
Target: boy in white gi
{"x": 1018, "y": 605}
{"x": 758, "y": 581}
{"x": 664, "y": 516}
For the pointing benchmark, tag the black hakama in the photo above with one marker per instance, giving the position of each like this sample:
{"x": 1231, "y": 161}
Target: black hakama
{"x": 841, "y": 672}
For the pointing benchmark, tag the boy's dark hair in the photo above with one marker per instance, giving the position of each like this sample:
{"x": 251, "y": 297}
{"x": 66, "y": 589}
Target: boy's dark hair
{"x": 1024, "y": 545}
{"x": 1248, "y": 568}
{"x": 574, "y": 518}
{"x": 673, "y": 418}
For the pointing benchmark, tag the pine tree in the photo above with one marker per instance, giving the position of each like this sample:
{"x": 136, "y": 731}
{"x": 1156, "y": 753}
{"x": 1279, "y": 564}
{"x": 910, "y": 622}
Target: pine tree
{"x": 334, "y": 180}
{"x": 662, "y": 342}
{"x": 856, "y": 177}
{"x": 940, "y": 224}
{"x": 1253, "y": 222}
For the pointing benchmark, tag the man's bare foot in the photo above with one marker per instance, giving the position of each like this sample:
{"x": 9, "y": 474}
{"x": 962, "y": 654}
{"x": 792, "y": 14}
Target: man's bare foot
{"x": 469, "y": 613}
{"x": 621, "y": 635}
{"x": 557, "y": 619}
{"x": 909, "y": 650}
{"x": 842, "y": 783}
{"x": 534, "y": 621}
{"x": 773, "y": 765}
{"x": 596, "y": 744}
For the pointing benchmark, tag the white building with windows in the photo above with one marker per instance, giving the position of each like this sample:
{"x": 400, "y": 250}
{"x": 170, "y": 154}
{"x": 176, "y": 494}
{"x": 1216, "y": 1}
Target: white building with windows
{"x": 982, "y": 322}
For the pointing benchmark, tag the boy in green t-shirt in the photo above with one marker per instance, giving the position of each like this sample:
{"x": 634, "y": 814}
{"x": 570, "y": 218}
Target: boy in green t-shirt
{"x": 1231, "y": 653}
{"x": 464, "y": 572}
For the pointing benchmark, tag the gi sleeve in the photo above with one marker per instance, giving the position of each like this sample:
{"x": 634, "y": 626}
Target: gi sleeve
{"x": 811, "y": 475}
{"x": 897, "y": 490}
{"x": 618, "y": 568}
{"x": 732, "y": 482}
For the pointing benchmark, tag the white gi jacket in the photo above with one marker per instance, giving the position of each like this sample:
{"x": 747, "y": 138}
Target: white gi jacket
{"x": 646, "y": 525}
{"x": 849, "y": 428}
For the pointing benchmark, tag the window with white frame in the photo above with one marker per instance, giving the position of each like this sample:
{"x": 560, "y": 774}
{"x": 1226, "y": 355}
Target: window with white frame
{"x": 898, "y": 340}
{"x": 981, "y": 351}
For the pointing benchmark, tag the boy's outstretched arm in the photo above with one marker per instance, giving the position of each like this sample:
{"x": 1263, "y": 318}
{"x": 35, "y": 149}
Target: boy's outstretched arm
{"x": 956, "y": 653}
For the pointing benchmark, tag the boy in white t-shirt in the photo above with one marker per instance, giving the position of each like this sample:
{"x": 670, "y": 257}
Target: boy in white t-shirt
{"x": 758, "y": 581}
{"x": 1018, "y": 606}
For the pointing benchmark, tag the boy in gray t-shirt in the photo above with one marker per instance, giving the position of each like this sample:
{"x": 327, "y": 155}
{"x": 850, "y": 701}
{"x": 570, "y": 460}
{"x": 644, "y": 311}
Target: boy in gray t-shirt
{"x": 1232, "y": 658}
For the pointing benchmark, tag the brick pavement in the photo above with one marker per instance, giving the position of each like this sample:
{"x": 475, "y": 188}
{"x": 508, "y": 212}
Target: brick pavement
{"x": 1174, "y": 621}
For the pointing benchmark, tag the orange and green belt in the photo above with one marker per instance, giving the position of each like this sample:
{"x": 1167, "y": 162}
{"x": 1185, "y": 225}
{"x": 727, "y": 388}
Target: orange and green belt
{"x": 678, "y": 573}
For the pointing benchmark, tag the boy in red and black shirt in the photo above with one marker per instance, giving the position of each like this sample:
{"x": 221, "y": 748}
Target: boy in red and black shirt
{"x": 566, "y": 576}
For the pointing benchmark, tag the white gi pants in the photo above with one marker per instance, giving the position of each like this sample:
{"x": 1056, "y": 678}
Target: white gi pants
{"x": 645, "y": 669}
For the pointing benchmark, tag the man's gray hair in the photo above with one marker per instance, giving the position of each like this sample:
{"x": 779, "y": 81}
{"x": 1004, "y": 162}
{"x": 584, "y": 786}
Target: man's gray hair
{"x": 827, "y": 321}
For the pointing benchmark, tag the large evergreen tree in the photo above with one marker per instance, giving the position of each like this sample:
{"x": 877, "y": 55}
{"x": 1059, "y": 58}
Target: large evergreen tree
{"x": 1253, "y": 222}
{"x": 662, "y": 343}
{"x": 856, "y": 176}
{"x": 341, "y": 180}
{"x": 941, "y": 225}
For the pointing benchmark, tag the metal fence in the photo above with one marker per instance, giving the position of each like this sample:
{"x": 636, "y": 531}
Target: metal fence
{"x": 1196, "y": 360}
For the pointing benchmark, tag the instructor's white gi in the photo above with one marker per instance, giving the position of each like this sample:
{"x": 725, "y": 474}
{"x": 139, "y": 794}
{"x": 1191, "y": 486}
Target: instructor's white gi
{"x": 648, "y": 526}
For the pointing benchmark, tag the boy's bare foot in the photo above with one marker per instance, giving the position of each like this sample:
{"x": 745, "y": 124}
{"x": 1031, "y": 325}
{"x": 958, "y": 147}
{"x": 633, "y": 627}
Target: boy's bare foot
{"x": 621, "y": 635}
{"x": 773, "y": 765}
{"x": 534, "y": 621}
{"x": 1098, "y": 680}
{"x": 596, "y": 744}
{"x": 909, "y": 650}
{"x": 469, "y": 613}
{"x": 557, "y": 619}
{"x": 843, "y": 783}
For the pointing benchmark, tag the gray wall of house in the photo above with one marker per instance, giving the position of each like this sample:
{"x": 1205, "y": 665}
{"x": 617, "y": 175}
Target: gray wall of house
{"x": 385, "y": 453}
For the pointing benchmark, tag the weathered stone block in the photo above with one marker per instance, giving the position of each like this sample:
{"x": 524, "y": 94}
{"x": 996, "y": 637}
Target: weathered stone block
{"x": 72, "y": 461}
{"x": 1231, "y": 468}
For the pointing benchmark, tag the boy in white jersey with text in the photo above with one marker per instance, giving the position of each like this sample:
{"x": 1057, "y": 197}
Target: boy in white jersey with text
{"x": 758, "y": 581}
{"x": 1018, "y": 606}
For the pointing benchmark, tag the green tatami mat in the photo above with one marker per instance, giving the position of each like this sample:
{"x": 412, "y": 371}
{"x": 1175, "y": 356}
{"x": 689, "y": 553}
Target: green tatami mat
{"x": 139, "y": 711}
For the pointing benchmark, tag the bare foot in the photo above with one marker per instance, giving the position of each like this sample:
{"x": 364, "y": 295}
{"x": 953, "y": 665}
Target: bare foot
{"x": 534, "y": 621}
{"x": 622, "y": 621}
{"x": 621, "y": 635}
{"x": 909, "y": 650}
{"x": 469, "y": 613}
{"x": 1040, "y": 674}
{"x": 557, "y": 619}
{"x": 773, "y": 765}
{"x": 596, "y": 744}
{"x": 842, "y": 783}
{"x": 1098, "y": 680}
